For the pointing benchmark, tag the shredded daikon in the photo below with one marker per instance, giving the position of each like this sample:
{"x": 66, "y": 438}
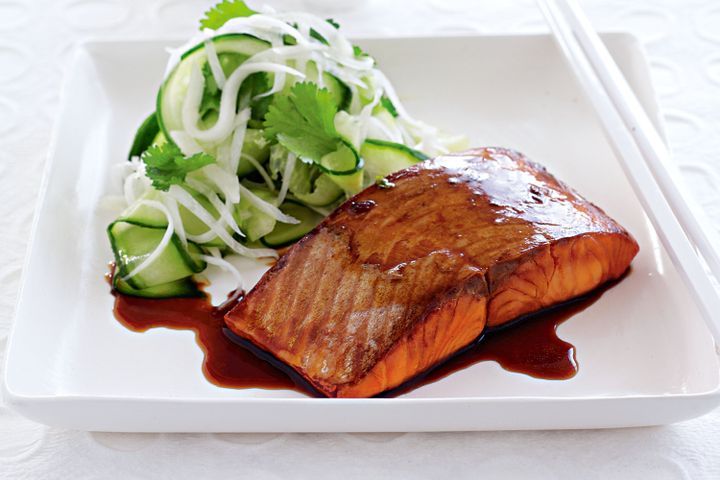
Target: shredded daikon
{"x": 279, "y": 80}
{"x": 276, "y": 54}
{"x": 261, "y": 170}
{"x": 225, "y": 181}
{"x": 224, "y": 209}
{"x": 185, "y": 199}
{"x": 238, "y": 138}
{"x": 214, "y": 62}
{"x": 266, "y": 27}
{"x": 202, "y": 238}
{"x": 135, "y": 183}
{"x": 225, "y": 265}
{"x": 335, "y": 40}
{"x": 287, "y": 175}
{"x": 172, "y": 207}
{"x": 376, "y": 128}
{"x": 185, "y": 142}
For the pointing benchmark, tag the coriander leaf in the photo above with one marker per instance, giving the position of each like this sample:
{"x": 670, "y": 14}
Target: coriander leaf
{"x": 317, "y": 36}
{"x": 303, "y": 121}
{"x": 359, "y": 52}
{"x": 224, "y": 11}
{"x": 165, "y": 165}
{"x": 211, "y": 92}
{"x": 389, "y": 106}
{"x": 314, "y": 34}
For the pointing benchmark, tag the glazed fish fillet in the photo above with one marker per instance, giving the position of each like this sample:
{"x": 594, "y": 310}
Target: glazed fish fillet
{"x": 398, "y": 279}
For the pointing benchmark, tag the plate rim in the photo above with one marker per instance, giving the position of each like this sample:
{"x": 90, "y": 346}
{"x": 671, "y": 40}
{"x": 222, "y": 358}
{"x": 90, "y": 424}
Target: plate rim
{"x": 23, "y": 402}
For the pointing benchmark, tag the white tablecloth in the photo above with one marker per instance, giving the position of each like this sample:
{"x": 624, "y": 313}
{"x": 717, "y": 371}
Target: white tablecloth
{"x": 36, "y": 38}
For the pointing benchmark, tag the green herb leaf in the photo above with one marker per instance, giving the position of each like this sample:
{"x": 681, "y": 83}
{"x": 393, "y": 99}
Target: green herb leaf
{"x": 314, "y": 34}
{"x": 224, "y": 11}
{"x": 165, "y": 165}
{"x": 317, "y": 36}
{"x": 211, "y": 92}
{"x": 359, "y": 52}
{"x": 303, "y": 121}
{"x": 389, "y": 106}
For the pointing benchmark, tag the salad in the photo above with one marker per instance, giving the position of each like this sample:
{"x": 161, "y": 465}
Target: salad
{"x": 265, "y": 122}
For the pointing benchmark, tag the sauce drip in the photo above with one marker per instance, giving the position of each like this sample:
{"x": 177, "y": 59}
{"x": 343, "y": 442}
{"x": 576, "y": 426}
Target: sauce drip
{"x": 529, "y": 345}
{"x": 226, "y": 364}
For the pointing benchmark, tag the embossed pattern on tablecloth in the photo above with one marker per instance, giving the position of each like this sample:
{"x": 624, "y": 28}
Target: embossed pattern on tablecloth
{"x": 682, "y": 39}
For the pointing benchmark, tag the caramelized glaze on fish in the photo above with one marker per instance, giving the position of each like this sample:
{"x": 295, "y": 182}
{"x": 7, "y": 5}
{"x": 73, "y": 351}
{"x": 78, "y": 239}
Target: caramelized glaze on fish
{"x": 398, "y": 279}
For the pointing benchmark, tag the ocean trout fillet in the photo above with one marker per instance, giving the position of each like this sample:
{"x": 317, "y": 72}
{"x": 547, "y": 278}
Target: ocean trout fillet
{"x": 398, "y": 279}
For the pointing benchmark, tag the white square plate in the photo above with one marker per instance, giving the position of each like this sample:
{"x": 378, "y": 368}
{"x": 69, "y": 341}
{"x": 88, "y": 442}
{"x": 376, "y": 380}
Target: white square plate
{"x": 645, "y": 354}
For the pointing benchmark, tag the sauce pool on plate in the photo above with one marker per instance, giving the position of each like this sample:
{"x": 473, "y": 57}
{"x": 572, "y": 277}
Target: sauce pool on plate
{"x": 529, "y": 345}
{"x": 225, "y": 364}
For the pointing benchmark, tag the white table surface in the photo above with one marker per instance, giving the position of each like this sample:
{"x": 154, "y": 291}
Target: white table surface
{"x": 682, "y": 39}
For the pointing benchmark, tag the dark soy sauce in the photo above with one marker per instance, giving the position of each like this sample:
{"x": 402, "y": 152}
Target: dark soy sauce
{"x": 529, "y": 345}
{"x": 226, "y": 364}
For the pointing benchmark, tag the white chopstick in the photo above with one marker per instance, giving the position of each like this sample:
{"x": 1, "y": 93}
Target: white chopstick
{"x": 642, "y": 154}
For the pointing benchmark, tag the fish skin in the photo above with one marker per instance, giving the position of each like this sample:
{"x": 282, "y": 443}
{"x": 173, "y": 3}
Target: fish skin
{"x": 397, "y": 280}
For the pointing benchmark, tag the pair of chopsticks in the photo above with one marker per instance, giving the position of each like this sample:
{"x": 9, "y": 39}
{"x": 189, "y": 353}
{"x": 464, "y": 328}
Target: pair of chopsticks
{"x": 642, "y": 154}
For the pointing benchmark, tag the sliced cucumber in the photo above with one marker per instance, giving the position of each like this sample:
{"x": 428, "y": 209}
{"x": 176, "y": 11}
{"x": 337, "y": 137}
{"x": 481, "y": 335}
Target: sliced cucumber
{"x": 341, "y": 93}
{"x": 349, "y": 128}
{"x": 179, "y": 288}
{"x": 285, "y": 234}
{"x": 133, "y": 243}
{"x": 253, "y": 222}
{"x": 308, "y": 182}
{"x": 343, "y": 161}
{"x": 232, "y": 50}
{"x": 256, "y": 146}
{"x": 351, "y": 184}
{"x": 366, "y": 95}
{"x": 344, "y": 167}
{"x": 383, "y": 158}
{"x": 325, "y": 192}
{"x": 145, "y": 136}
{"x": 141, "y": 214}
{"x": 225, "y": 37}
{"x": 340, "y": 163}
